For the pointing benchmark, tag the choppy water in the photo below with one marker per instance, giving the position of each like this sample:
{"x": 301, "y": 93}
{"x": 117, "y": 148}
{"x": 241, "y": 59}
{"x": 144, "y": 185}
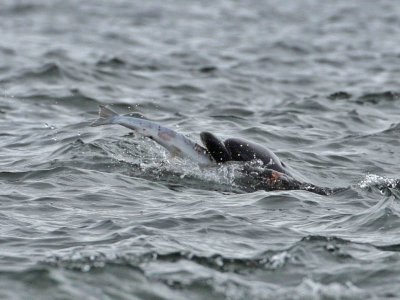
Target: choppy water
{"x": 98, "y": 213}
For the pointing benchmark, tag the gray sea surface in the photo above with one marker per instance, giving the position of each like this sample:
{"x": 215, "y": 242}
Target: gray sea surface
{"x": 102, "y": 213}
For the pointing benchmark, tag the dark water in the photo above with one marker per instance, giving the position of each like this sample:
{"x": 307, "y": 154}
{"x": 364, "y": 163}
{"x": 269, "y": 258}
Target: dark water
{"x": 98, "y": 213}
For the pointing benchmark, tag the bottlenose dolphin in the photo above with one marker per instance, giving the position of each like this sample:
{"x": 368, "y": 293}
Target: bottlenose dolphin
{"x": 273, "y": 174}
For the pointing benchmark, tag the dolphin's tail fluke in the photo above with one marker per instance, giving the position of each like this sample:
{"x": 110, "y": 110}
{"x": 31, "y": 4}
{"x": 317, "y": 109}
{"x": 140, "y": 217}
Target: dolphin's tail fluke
{"x": 106, "y": 116}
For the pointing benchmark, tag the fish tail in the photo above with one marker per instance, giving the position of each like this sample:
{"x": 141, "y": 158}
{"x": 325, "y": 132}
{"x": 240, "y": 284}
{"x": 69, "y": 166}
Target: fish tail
{"x": 106, "y": 116}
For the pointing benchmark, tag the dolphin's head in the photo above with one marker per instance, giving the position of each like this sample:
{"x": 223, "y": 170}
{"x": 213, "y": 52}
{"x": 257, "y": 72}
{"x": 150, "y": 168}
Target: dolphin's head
{"x": 215, "y": 147}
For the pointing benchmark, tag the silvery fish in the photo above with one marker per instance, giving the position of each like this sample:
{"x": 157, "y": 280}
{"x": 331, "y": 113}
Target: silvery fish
{"x": 174, "y": 142}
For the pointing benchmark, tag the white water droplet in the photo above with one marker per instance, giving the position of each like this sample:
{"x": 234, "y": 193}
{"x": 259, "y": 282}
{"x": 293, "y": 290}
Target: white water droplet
{"x": 85, "y": 268}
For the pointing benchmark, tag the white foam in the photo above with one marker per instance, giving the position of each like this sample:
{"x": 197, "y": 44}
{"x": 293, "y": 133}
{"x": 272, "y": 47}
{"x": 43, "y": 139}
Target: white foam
{"x": 373, "y": 179}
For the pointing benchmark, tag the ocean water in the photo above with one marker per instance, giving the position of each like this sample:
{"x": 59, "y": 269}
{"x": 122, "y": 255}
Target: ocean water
{"x": 101, "y": 213}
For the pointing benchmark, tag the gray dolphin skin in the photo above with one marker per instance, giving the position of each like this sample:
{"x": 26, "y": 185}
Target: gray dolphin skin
{"x": 174, "y": 142}
{"x": 272, "y": 175}
{"x": 234, "y": 149}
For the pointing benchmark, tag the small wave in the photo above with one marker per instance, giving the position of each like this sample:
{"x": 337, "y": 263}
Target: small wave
{"x": 292, "y": 47}
{"x": 208, "y": 69}
{"x": 302, "y": 252}
{"x": 393, "y": 129}
{"x": 373, "y": 98}
{"x": 376, "y": 98}
{"x": 183, "y": 89}
{"x": 38, "y": 173}
{"x": 380, "y": 182}
{"x": 7, "y": 51}
{"x": 311, "y": 289}
{"x": 73, "y": 97}
{"x": 85, "y": 260}
{"x": 226, "y": 274}
{"x": 306, "y": 105}
{"x": 116, "y": 62}
{"x": 339, "y": 96}
{"x": 238, "y": 113}
{"x": 377, "y": 215}
{"x": 111, "y": 62}
{"x": 48, "y": 71}
{"x": 20, "y": 8}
